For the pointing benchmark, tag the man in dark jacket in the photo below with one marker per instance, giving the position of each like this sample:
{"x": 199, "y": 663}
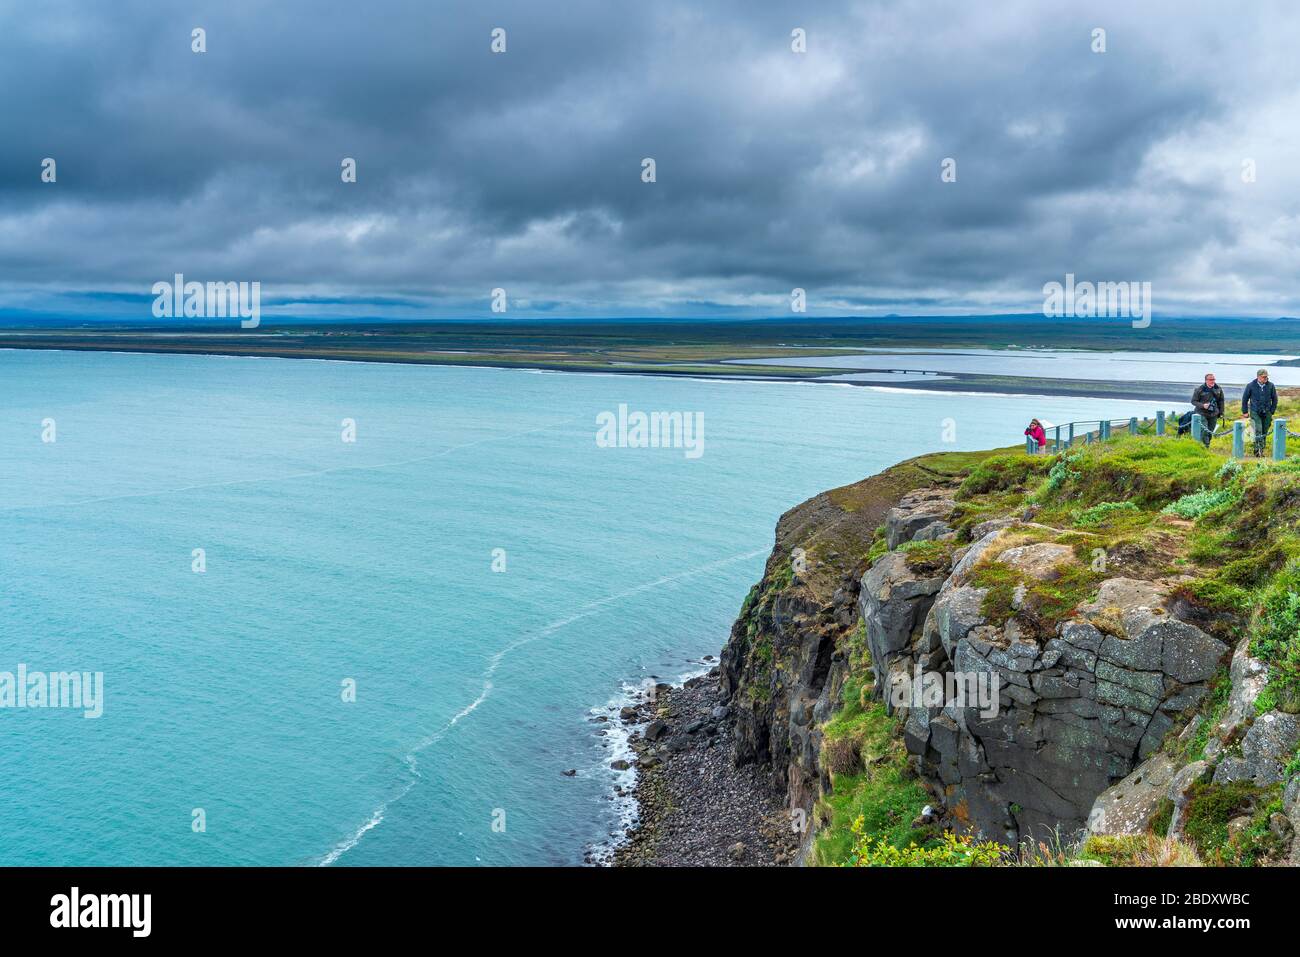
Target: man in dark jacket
{"x": 1207, "y": 399}
{"x": 1259, "y": 401}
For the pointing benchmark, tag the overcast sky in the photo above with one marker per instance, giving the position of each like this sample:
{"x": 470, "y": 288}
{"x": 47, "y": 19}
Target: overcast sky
{"x": 775, "y": 169}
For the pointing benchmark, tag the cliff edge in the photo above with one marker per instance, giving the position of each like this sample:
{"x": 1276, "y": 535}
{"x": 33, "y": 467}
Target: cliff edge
{"x": 1092, "y": 655}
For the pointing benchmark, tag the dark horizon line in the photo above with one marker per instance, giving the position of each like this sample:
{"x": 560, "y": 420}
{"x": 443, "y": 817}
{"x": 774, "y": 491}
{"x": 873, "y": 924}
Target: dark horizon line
{"x": 12, "y": 319}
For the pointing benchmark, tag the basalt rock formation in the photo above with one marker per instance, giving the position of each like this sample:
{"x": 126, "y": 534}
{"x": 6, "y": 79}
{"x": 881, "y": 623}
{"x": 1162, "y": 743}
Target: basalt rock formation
{"x": 1097, "y": 674}
{"x": 1076, "y": 708}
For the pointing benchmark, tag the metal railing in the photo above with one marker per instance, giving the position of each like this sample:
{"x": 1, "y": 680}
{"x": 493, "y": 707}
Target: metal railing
{"x": 1064, "y": 436}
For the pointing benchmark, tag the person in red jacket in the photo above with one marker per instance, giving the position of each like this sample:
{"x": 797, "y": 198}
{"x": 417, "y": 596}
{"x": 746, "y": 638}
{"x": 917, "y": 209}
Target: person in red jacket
{"x": 1038, "y": 433}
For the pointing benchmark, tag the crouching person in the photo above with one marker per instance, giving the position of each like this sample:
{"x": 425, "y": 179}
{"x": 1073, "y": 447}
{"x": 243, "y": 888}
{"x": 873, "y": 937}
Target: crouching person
{"x": 1038, "y": 434}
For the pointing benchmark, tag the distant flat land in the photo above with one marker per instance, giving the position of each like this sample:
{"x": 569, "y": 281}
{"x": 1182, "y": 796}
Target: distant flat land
{"x": 700, "y": 349}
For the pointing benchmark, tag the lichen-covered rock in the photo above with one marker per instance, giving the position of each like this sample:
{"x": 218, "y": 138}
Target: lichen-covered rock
{"x": 1269, "y": 745}
{"x": 982, "y": 529}
{"x": 1127, "y": 595}
{"x": 1041, "y": 560}
{"x": 894, "y": 601}
{"x": 1264, "y": 748}
{"x": 914, "y": 512}
{"x": 954, "y": 613}
{"x": 1249, "y": 677}
{"x": 1291, "y": 808}
{"x": 933, "y": 532}
{"x": 1127, "y": 807}
{"x": 1073, "y": 715}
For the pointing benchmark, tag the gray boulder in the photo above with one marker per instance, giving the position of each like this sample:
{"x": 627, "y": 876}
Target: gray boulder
{"x": 1249, "y": 677}
{"x": 1127, "y": 807}
{"x": 982, "y": 529}
{"x": 933, "y": 532}
{"x": 1126, "y": 595}
{"x": 914, "y": 513}
{"x": 954, "y": 613}
{"x": 1269, "y": 745}
{"x": 893, "y": 601}
{"x": 1041, "y": 560}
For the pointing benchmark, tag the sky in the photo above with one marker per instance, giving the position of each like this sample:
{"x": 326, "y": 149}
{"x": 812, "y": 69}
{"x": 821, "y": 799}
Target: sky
{"x": 1173, "y": 157}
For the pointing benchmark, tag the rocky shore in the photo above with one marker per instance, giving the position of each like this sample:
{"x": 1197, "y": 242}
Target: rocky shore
{"x": 696, "y": 807}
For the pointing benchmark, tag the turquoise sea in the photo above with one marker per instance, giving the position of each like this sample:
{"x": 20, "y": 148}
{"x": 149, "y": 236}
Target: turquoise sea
{"x": 373, "y": 561}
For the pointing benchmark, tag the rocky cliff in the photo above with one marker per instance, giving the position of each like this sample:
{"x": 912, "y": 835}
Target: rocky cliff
{"x": 1052, "y": 663}
{"x": 1071, "y": 706}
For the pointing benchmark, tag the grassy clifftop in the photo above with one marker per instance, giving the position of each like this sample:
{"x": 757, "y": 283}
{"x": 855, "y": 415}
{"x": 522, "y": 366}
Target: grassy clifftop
{"x": 1144, "y": 507}
{"x": 1162, "y": 507}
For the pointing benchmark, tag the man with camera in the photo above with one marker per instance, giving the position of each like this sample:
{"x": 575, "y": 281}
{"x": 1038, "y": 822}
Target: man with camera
{"x": 1207, "y": 399}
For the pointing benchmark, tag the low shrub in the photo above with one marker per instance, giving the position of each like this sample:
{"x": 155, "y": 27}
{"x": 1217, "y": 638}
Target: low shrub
{"x": 1210, "y": 809}
{"x": 1101, "y": 512}
{"x": 1198, "y": 503}
{"x": 951, "y": 851}
{"x": 1276, "y": 640}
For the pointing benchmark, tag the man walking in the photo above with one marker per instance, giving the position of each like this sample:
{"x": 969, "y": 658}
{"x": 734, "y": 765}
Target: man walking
{"x": 1207, "y": 399}
{"x": 1259, "y": 401}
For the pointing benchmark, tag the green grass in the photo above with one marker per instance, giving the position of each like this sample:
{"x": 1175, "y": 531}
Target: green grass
{"x": 928, "y": 557}
{"x": 1043, "y": 604}
{"x": 1000, "y": 473}
{"x": 1147, "y": 472}
{"x": 1164, "y": 817}
{"x": 1103, "y": 513}
{"x": 1210, "y": 808}
{"x": 878, "y": 546}
{"x": 1276, "y": 639}
{"x": 876, "y": 785}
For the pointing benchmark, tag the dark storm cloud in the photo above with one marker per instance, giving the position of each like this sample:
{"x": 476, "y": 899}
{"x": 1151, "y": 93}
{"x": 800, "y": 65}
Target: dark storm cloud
{"x": 775, "y": 169}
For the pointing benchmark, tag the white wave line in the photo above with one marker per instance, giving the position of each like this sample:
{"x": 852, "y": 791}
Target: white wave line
{"x": 291, "y": 477}
{"x": 584, "y": 611}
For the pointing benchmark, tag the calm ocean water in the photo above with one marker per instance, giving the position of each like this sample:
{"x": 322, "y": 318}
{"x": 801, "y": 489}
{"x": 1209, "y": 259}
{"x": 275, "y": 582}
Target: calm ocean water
{"x": 373, "y": 561}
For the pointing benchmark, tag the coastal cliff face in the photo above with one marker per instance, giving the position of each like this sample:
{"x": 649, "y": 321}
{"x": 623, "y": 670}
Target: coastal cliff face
{"x": 784, "y": 665}
{"x": 1046, "y": 665}
{"x": 1068, "y": 707}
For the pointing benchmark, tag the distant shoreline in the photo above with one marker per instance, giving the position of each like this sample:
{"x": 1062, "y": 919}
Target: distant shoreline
{"x": 948, "y": 382}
